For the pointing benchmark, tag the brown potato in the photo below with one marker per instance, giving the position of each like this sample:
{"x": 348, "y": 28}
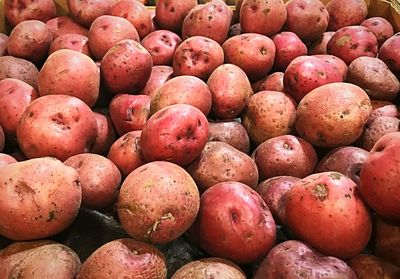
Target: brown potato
{"x": 159, "y": 75}
{"x": 65, "y": 25}
{"x": 231, "y": 132}
{"x": 17, "y": 11}
{"x": 18, "y": 68}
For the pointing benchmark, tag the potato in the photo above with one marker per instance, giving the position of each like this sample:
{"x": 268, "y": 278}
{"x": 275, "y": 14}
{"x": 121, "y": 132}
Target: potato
{"x": 65, "y": 25}
{"x": 106, "y": 31}
{"x": 17, "y": 11}
{"x": 213, "y": 267}
{"x": 307, "y": 18}
{"x": 171, "y": 13}
{"x": 105, "y": 134}
{"x": 253, "y": 53}
{"x": 3, "y": 44}
{"x": 296, "y": 260}
{"x": 126, "y": 153}
{"x": 285, "y": 155}
{"x": 273, "y": 82}
{"x": 319, "y": 46}
{"x": 231, "y": 132}
{"x": 125, "y": 258}
{"x": 211, "y": 20}
{"x": 383, "y": 108}
{"x": 71, "y": 41}
{"x": 387, "y": 240}
{"x": 47, "y": 260}
{"x": 126, "y": 67}
{"x": 85, "y": 12}
{"x": 269, "y": 114}
{"x": 161, "y": 45}
{"x": 188, "y": 90}
{"x": 288, "y": 46}
{"x": 345, "y": 13}
{"x": 230, "y": 90}
{"x": 371, "y": 267}
{"x": 388, "y": 53}
{"x": 18, "y": 247}
{"x": 381, "y": 28}
{"x": 336, "y": 62}
{"x": 177, "y": 133}
{"x": 6, "y": 159}
{"x": 262, "y": 17}
{"x": 2, "y": 139}
{"x": 220, "y": 162}
{"x": 159, "y": 75}
{"x": 197, "y": 56}
{"x": 158, "y": 202}
{"x": 56, "y": 125}
{"x": 68, "y": 72}
{"x": 333, "y": 114}
{"x": 18, "y": 68}
{"x": 45, "y": 199}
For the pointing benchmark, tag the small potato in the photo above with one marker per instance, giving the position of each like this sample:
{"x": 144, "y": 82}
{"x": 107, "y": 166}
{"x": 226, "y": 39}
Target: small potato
{"x": 18, "y": 11}
{"x": 381, "y": 28}
{"x": 3, "y": 44}
{"x": 197, "y": 56}
{"x": 345, "y": 13}
{"x": 161, "y": 45}
{"x": 159, "y": 75}
{"x": 75, "y": 42}
{"x": 105, "y": 134}
{"x": 230, "y": 132}
{"x": 372, "y": 267}
{"x": 273, "y": 82}
{"x": 390, "y": 54}
{"x": 65, "y": 25}
{"x": 171, "y": 13}
{"x": 18, "y": 68}
{"x": 85, "y": 12}
{"x": 319, "y": 46}
{"x": 6, "y": 159}
{"x": 288, "y": 46}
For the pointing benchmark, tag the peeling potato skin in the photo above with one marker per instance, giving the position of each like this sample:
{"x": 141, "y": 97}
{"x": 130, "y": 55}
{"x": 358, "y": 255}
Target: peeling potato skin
{"x": 326, "y": 211}
{"x": 158, "y": 202}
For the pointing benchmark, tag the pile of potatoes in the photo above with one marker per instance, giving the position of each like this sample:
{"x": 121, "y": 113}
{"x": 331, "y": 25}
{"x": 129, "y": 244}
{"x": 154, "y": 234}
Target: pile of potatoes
{"x": 199, "y": 140}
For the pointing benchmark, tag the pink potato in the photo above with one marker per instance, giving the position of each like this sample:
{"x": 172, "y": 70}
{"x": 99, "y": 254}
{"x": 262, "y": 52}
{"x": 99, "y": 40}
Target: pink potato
{"x": 75, "y": 42}
{"x": 65, "y": 25}
{"x": 253, "y": 53}
{"x": 307, "y": 18}
{"x": 68, "y": 72}
{"x": 106, "y": 31}
{"x": 136, "y": 13}
{"x": 3, "y": 44}
{"x": 17, "y": 11}
{"x": 262, "y": 17}
{"x": 381, "y": 28}
{"x": 159, "y": 75}
{"x": 390, "y": 53}
{"x": 188, "y": 90}
{"x": 211, "y": 20}
{"x": 171, "y": 13}
{"x": 85, "y": 11}
{"x": 129, "y": 112}
{"x": 177, "y": 133}
{"x": 6, "y": 159}
{"x": 197, "y": 56}
{"x": 234, "y": 223}
{"x": 351, "y": 42}
{"x": 231, "y": 132}
{"x": 158, "y": 202}
{"x": 319, "y": 46}
{"x": 161, "y": 45}
{"x": 18, "y": 68}
{"x": 56, "y": 125}
{"x": 126, "y": 153}
{"x": 273, "y": 82}
{"x": 345, "y": 13}
{"x": 126, "y": 67}
{"x": 105, "y": 134}
{"x": 288, "y": 46}
{"x": 336, "y": 62}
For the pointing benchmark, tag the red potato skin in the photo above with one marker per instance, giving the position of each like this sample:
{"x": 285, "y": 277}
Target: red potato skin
{"x": 3, "y": 44}
{"x": 234, "y": 223}
{"x": 273, "y": 82}
{"x": 318, "y": 203}
{"x": 85, "y": 12}
{"x": 16, "y": 11}
{"x": 170, "y": 14}
{"x": 288, "y": 46}
{"x": 65, "y": 25}
{"x": 230, "y": 132}
{"x": 179, "y": 132}
{"x": 381, "y": 28}
{"x": 161, "y": 45}
{"x": 345, "y": 13}
{"x": 18, "y": 68}
{"x": 319, "y": 46}
{"x": 6, "y": 159}
{"x": 387, "y": 240}
{"x": 75, "y": 42}
{"x": 385, "y": 155}
{"x": 126, "y": 67}
{"x": 159, "y": 75}
{"x": 253, "y": 53}
{"x": 372, "y": 267}
{"x": 383, "y": 108}
{"x": 129, "y": 112}
{"x": 336, "y": 62}
{"x": 105, "y": 134}
{"x": 390, "y": 53}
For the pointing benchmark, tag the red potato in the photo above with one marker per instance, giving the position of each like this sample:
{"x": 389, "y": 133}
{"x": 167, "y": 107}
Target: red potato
{"x": 211, "y": 20}
{"x": 385, "y": 178}
{"x": 307, "y": 18}
{"x": 107, "y": 31}
{"x": 171, "y": 13}
{"x": 126, "y": 153}
{"x": 326, "y": 211}
{"x": 381, "y": 28}
{"x": 306, "y": 73}
{"x": 234, "y": 223}
{"x": 285, "y": 155}
{"x": 55, "y": 190}
{"x": 345, "y": 13}
{"x": 197, "y": 56}
{"x": 6, "y": 159}
{"x": 17, "y": 11}
{"x": 383, "y": 108}
{"x": 85, "y": 12}
{"x": 15, "y": 96}
{"x": 161, "y": 45}
{"x": 372, "y": 267}
{"x": 230, "y": 90}
{"x": 56, "y": 125}
{"x": 188, "y": 90}
{"x": 18, "y": 68}
{"x": 2, "y": 139}
{"x": 158, "y": 202}
{"x": 351, "y": 42}
{"x": 129, "y": 112}
{"x": 136, "y": 13}
{"x": 177, "y": 133}
{"x": 75, "y": 42}
{"x": 319, "y": 46}
{"x": 273, "y": 82}
{"x": 159, "y": 75}
{"x": 288, "y": 46}
{"x": 262, "y": 17}
{"x": 125, "y": 258}
{"x": 126, "y": 67}
{"x": 253, "y": 53}
{"x": 230, "y": 132}
{"x": 65, "y": 25}
{"x": 390, "y": 54}
{"x": 387, "y": 240}
{"x": 22, "y": 246}
{"x": 296, "y": 260}
{"x": 105, "y": 134}
{"x": 68, "y": 72}
{"x": 3, "y": 44}
{"x": 336, "y": 62}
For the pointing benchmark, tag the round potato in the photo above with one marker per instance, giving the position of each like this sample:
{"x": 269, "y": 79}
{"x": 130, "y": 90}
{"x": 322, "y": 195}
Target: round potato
{"x": 345, "y": 13}
{"x": 17, "y": 11}
{"x": 319, "y": 46}
{"x": 377, "y": 128}
{"x": 85, "y": 12}
{"x": 273, "y": 82}
{"x": 65, "y": 25}
{"x": 76, "y": 42}
{"x": 3, "y": 44}
{"x": 2, "y": 139}
{"x": 231, "y": 132}
{"x": 159, "y": 75}
{"x": 381, "y": 28}
{"x": 18, "y": 68}
{"x": 288, "y": 46}
{"x": 170, "y": 14}
{"x": 6, "y": 159}
{"x": 372, "y": 267}
{"x": 389, "y": 53}
{"x": 105, "y": 134}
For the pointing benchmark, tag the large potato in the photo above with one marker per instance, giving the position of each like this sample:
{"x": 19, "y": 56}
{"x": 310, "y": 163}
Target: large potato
{"x": 159, "y": 75}
{"x": 345, "y": 13}
{"x": 40, "y": 198}
{"x": 18, "y": 68}
{"x": 86, "y": 11}
{"x": 17, "y": 11}
{"x": 231, "y": 132}
{"x": 170, "y": 14}
{"x": 65, "y": 25}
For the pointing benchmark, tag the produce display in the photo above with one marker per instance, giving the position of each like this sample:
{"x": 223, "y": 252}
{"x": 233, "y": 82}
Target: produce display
{"x": 207, "y": 139}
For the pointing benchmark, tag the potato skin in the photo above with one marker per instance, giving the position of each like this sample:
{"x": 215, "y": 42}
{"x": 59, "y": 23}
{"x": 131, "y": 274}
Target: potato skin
{"x": 345, "y": 13}
{"x": 319, "y": 46}
{"x": 3, "y": 44}
{"x": 76, "y": 42}
{"x": 170, "y": 14}
{"x": 288, "y": 46}
{"x": 45, "y": 200}
{"x": 62, "y": 25}
{"x": 372, "y": 267}
{"x": 387, "y": 240}
{"x": 273, "y": 82}
{"x": 390, "y": 54}
{"x": 381, "y": 28}
{"x": 18, "y": 68}
{"x": 159, "y": 75}
{"x": 6, "y": 159}
{"x": 85, "y": 12}
{"x": 18, "y": 11}
{"x": 105, "y": 134}
{"x": 230, "y": 132}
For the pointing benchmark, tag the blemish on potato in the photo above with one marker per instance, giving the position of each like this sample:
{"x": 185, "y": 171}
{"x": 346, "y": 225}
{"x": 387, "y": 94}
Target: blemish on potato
{"x": 335, "y": 175}
{"x": 52, "y": 215}
{"x": 321, "y": 191}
